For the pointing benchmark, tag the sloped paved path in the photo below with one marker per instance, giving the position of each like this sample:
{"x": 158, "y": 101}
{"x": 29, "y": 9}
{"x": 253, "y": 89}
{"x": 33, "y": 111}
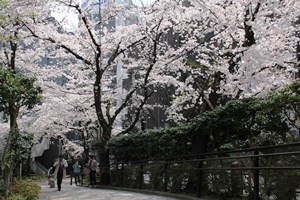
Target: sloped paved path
{"x": 70, "y": 192}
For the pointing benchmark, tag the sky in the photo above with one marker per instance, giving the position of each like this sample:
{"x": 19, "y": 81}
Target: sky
{"x": 136, "y": 2}
{"x": 145, "y": 2}
{"x": 71, "y": 19}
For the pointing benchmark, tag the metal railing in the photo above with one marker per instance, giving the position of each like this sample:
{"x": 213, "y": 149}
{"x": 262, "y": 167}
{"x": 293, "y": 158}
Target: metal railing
{"x": 197, "y": 174}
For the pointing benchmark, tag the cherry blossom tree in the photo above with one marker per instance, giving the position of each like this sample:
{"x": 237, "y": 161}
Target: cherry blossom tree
{"x": 198, "y": 48}
{"x": 18, "y": 92}
{"x": 93, "y": 50}
{"x": 252, "y": 52}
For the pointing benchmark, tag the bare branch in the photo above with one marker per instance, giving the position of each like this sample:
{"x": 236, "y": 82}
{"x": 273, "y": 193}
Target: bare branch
{"x": 69, "y": 50}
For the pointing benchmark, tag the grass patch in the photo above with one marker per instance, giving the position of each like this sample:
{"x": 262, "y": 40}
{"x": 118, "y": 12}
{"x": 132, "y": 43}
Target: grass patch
{"x": 25, "y": 189}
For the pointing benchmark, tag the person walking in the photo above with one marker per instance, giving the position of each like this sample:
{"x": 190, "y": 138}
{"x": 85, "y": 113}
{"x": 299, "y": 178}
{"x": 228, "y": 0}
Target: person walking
{"x": 51, "y": 180}
{"x": 50, "y": 174}
{"x": 76, "y": 172}
{"x": 60, "y": 170}
{"x": 92, "y": 165}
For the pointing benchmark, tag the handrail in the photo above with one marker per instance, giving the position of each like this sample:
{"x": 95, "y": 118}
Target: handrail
{"x": 219, "y": 153}
{"x": 151, "y": 162}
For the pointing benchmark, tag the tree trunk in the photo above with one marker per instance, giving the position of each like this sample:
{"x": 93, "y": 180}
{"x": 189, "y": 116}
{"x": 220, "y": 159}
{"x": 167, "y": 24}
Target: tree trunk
{"x": 13, "y": 129}
{"x": 199, "y": 146}
{"x": 104, "y": 161}
{"x": 298, "y": 56}
{"x": 104, "y": 167}
{"x": 7, "y": 172}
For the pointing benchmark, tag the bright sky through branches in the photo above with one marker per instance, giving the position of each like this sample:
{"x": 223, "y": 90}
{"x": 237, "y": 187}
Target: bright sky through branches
{"x": 70, "y": 20}
{"x": 142, "y": 2}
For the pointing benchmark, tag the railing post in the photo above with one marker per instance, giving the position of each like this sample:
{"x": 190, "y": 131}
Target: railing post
{"x": 122, "y": 174}
{"x": 166, "y": 177}
{"x": 141, "y": 176}
{"x": 199, "y": 182}
{"x": 256, "y": 175}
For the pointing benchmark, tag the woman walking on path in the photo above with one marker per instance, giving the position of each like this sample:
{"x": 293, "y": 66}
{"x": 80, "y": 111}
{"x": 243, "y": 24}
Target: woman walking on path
{"x": 76, "y": 172}
{"x": 60, "y": 170}
{"x": 92, "y": 165}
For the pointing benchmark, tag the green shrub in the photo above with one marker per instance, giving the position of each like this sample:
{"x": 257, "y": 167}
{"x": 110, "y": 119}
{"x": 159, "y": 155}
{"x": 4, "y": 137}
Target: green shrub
{"x": 16, "y": 197}
{"x": 25, "y": 189}
{"x": 156, "y": 176}
{"x": 2, "y": 188}
{"x": 182, "y": 176}
{"x": 285, "y": 185}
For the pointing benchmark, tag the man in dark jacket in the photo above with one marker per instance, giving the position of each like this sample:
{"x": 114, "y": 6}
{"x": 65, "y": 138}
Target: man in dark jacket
{"x": 60, "y": 170}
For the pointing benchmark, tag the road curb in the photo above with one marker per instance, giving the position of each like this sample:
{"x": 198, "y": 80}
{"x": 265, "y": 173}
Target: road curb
{"x": 151, "y": 192}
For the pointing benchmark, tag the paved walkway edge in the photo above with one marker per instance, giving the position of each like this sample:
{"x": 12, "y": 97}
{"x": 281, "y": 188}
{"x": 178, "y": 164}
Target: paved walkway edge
{"x": 152, "y": 192}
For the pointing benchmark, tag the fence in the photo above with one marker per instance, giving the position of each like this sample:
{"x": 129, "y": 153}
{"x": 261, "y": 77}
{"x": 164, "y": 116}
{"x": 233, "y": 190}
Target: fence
{"x": 252, "y": 173}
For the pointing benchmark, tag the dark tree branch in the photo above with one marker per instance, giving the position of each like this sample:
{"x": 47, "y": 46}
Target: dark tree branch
{"x": 137, "y": 115}
{"x": 69, "y": 50}
{"x": 123, "y": 105}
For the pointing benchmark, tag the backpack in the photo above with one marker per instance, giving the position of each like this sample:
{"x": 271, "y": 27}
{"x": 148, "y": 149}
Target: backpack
{"x": 52, "y": 170}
